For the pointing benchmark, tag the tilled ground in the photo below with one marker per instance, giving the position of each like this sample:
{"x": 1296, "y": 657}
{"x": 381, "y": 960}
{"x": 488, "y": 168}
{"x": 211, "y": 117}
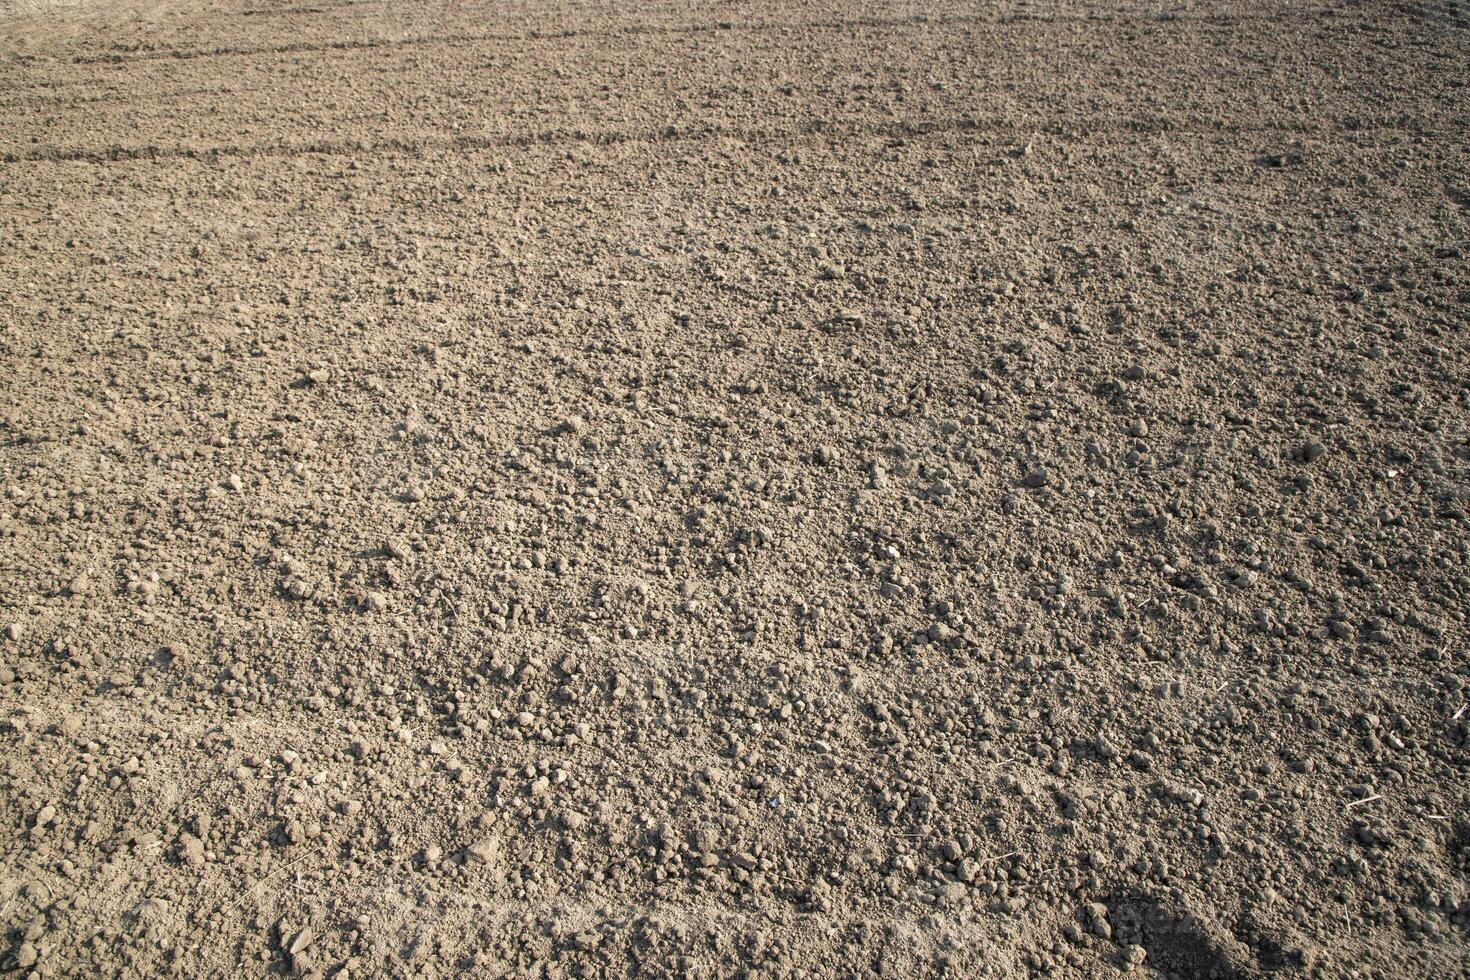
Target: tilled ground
{"x": 697, "y": 489}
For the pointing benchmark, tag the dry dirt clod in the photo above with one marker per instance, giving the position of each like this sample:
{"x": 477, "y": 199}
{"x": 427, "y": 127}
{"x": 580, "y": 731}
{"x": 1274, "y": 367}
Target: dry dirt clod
{"x": 27, "y": 955}
{"x": 486, "y": 851}
{"x": 191, "y": 850}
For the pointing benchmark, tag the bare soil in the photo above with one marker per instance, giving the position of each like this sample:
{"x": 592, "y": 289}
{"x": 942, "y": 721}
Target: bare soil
{"x": 773, "y": 489}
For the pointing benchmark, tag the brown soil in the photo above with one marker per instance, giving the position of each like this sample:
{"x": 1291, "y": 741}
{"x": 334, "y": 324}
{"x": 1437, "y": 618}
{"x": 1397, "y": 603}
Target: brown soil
{"x": 789, "y": 489}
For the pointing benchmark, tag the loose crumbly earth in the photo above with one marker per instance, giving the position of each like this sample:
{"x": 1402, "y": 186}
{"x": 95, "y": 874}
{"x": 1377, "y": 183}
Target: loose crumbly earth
{"x": 788, "y": 489}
